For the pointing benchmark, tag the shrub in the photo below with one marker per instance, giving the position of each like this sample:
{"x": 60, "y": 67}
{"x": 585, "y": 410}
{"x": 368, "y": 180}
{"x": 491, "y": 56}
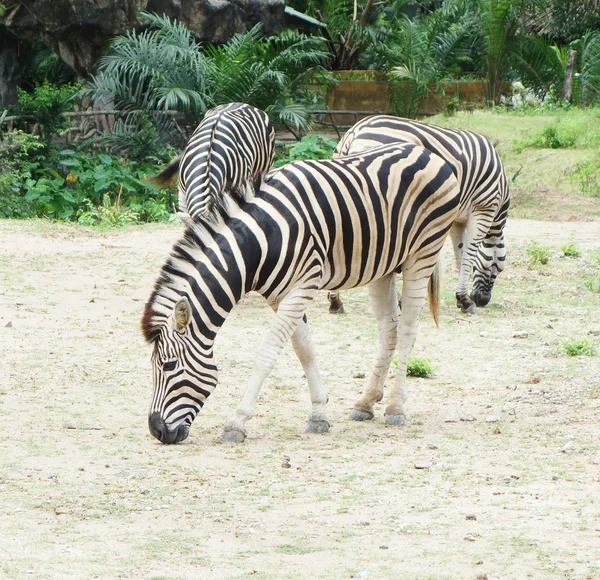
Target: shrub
{"x": 419, "y": 367}
{"x": 587, "y": 177}
{"x": 538, "y": 254}
{"x": 570, "y": 250}
{"x": 309, "y": 147}
{"x": 593, "y": 284}
{"x": 579, "y": 347}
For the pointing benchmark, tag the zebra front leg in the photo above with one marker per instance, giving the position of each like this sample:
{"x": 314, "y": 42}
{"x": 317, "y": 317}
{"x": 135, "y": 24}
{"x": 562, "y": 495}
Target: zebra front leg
{"x": 305, "y": 351}
{"x": 384, "y": 303}
{"x": 478, "y": 225}
{"x": 289, "y": 313}
{"x": 413, "y": 296}
{"x": 336, "y": 306}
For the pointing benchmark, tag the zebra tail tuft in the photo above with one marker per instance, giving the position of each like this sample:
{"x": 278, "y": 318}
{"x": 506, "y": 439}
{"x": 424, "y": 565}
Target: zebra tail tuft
{"x": 433, "y": 291}
{"x": 168, "y": 173}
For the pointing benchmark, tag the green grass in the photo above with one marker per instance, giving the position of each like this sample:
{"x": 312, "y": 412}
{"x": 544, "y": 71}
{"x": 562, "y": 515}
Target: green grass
{"x": 571, "y": 250}
{"x": 579, "y": 347}
{"x": 538, "y": 253}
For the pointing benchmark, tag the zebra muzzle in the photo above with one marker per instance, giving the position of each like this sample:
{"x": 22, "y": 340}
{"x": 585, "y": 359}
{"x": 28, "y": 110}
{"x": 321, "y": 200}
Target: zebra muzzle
{"x": 161, "y": 431}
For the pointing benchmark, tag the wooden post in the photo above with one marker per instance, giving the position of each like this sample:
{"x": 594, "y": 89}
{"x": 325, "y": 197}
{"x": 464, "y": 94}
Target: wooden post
{"x": 567, "y": 92}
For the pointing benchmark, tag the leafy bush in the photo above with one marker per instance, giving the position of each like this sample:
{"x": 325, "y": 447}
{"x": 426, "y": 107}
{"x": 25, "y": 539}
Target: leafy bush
{"x": 309, "y": 147}
{"x": 419, "y": 367}
{"x": 46, "y": 104}
{"x": 587, "y": 177}
{"x": 538, "y": 254}
{"x": 593, "y": 284}
{"x": 570, "y": 250}
{"x": 579, "y": 347}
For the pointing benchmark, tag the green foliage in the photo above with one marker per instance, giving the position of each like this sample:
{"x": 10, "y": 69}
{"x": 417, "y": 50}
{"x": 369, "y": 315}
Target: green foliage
{"x": 20, "y": 157}
{"x": 587, "y": 176}
{"x": 579, "y": 347}
{"x": 69, "y": 185}
{"x": 419, "y": 367}
{"x": 309, "y": 147}
{"x": 593, "y": 284}
{"x": 571, "y": 250}
{"x": 164, "y": 70}
{"x": 538, "y": 254}
{"x": 46, "y": 104}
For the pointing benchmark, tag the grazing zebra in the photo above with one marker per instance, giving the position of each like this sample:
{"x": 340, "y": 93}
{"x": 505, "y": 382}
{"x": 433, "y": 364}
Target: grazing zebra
{"x": 328, "y": 224}
{"x": 230, "y": 151}
{"x": 484, "y": 198}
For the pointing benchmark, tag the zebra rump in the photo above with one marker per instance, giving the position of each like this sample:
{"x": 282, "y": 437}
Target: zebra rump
{"x": 312, "y": 225}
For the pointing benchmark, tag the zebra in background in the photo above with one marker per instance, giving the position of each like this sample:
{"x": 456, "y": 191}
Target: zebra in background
{"x": 230, "y": 152}
{"x": 478, "y": 232}
{"x": 313, "y": 225}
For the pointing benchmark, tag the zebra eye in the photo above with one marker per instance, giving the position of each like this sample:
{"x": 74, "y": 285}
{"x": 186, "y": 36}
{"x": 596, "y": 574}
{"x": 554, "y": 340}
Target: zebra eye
{"x": 170, "y": 365}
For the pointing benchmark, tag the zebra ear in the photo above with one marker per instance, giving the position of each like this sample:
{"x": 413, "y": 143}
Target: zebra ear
{"x": 182, "y": 314}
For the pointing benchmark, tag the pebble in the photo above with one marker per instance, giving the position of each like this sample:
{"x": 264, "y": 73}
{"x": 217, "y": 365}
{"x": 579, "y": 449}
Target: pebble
{"x": 422, "y": 466}
{"x": 384, "y": 547}
{"x": 470, "y": 538}
{"x": 568, "y": 448}
{"x": 363, "y": 574}
{"x": 358, "y": 376}
{"x": 520, "y": 334}
{"x": 286, "y": 464}
{"x": 8, "y": 324}
{"x": 481, "y": 576}
{"x": 451, "y": 419}
{"x": 467, "y": 418}
{"x": 491, "y": 419}
{"x": 431, "y": 446}
{"x": 471, "y": 517}
{"x": 484, "y": 334}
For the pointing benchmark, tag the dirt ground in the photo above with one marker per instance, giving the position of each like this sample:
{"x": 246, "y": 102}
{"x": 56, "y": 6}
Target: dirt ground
{"x": 495, "y": 475}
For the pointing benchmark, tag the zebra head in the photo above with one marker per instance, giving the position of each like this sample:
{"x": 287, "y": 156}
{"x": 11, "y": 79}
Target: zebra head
{"x": 489, "y": 262}
{"x": 183, "y": 371}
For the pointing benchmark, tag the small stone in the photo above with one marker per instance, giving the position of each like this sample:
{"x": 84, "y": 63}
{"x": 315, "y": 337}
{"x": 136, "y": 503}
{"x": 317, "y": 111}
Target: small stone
{"x": 594, "y": 332}
{"x": 520, "y": 334}
{"x": 555, "y": 478}
{"x": 286, "y": 465}
{"x": 358, "y": 376}
{"x": 568, "y": 448}
{"x": 484, "y": 334}
{"x": 8, "y": 324}
{"x": 470, "y": 538}
{"x": 467, "y": 418}
{"x": 451, "y": 419}
{"x": 491, "y": 419}
{"x": 481, "y": 576}
{"x": 431, "y": 446}
{"x": 479, "y": 563}
{"x": 92, "y": 301}
{"x": 384, "y": 547}
{"x": 422, "y": 466}
{"x": 471, "y": 517}
{"x": 286, "y": 457}
{"x": 363, "y": 574}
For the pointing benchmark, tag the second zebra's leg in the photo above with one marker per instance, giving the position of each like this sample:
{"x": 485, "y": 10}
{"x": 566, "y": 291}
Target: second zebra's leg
{"x": 413, "y": 296}
{"x": 478, "y": 224}
{"x": 305, "y": 351}
{"x": 384, "y": 303}
{"x": 289, "y": 313}
{"x": 336, "y": 306}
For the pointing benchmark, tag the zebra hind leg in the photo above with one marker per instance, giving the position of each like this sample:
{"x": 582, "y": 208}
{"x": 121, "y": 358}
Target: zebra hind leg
{"x": 384, "y": 303}
{"x": 303, "y": 346}
{"x": 336, "y": 306}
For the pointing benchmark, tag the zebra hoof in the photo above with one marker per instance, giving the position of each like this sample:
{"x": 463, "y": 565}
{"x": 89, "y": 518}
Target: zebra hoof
{"x": 233, "y": 436}
{"x": 397, "y": 420}
{"x": 334, "y": 309}
{"x": 317, "y": 427}
{"x": 357, "y": 415}
{"x": 471, "y": 309}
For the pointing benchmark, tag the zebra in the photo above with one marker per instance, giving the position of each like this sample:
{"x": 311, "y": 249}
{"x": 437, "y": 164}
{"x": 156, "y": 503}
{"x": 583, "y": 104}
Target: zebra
{"x": 478, "y": 232}
{"x": 230, "y": 151}
{"x": 327, "y": 224}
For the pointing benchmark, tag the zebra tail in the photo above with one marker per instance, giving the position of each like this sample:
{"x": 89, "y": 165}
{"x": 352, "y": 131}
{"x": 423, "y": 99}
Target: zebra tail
{"x": 433, "y": 291}
{"x": 168, "y": 173}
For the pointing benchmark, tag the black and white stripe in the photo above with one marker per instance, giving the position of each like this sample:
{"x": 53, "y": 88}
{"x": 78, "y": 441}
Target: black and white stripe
{"x": 478, "y": 232}
{"x": 313, "y": 225}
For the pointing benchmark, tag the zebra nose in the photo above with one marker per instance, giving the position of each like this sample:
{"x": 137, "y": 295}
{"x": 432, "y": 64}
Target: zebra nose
{"x": 157, "y": 427}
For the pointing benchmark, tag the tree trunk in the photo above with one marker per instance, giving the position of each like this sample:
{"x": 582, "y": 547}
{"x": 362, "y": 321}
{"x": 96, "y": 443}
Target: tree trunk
{"x": 10, "y": 69}
{"x": 567, "y": 93}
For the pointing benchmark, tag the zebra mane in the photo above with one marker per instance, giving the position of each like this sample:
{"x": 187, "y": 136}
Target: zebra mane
{"x": 172, "y": 283}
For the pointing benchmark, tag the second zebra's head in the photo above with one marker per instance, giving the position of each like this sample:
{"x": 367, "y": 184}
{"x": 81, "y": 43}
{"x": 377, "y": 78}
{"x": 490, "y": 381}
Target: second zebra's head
{"x": 183, "y": 371}
{"x": 489, "y": 262}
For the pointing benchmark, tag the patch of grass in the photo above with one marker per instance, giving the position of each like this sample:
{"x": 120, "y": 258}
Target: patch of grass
{"x": 291, "y": 549}
{"x": 419, "y": 367}
{"x": 571, "y": 250}
{"x": 593, "y": 284}
{"x": 579, "y": 347}
{"x": 586, "y": 177}
{"x": 538, "y": 253}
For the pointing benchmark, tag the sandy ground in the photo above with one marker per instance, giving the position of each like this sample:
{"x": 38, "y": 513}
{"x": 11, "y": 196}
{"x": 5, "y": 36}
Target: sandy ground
{"x": 495, "y": 475}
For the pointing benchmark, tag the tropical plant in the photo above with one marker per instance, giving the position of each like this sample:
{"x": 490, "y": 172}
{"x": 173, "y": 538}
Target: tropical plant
{"x": 163, "y": 70}
{"x": 309, "y": 147}
{"x": 589, "y": 47}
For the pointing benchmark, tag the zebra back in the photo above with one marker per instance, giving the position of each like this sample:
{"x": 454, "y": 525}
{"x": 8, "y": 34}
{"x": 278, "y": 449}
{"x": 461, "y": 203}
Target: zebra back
{"x": 228, "y": 154}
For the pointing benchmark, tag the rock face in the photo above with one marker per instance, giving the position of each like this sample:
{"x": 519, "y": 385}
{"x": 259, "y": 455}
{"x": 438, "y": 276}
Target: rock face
{"x": 80, "y": 29}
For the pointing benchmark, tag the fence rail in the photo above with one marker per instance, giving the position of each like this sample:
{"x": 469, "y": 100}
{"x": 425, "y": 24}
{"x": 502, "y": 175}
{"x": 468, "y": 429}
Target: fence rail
{"x": 85, "y": 124}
